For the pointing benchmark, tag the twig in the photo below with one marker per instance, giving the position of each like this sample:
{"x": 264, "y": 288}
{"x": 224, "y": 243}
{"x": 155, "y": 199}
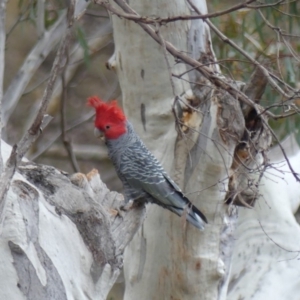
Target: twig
{"x": 58, "y": 134}
{"x": 65, "y": 140}
{"x": 293, "y": 52}
{"x": 40, "y": 18}
{"x": 282, "y": 116}
{"x": 286, "y": 14}
{"x": 20, "y": 19}
{"x": 265, "y": 5}
{"x": 92, "y": 13}
{"x": 278, "y": 32}
{"x": 2, "y": 62}
{"x": 296, "y": 175}
{"x": 75, "y": 123}
{"x": 162, "y": 21}
{"x": 32, "y": 134}
{"x": 279, "y": 246}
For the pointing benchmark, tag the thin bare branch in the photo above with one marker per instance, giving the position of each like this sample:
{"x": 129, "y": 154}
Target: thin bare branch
{"x": 22, "y": 17}
{"x": 73, "y": 124}
{"x": 295, "y": 174}
{"x": 292, "y": 51}
{"x": 2, "y": 62}
{"x": 92, "y": 13}
{"x": 279, "y": 246}
{"x": 279, "y": 34}
{"x": 162, "y": 21}
{"x": 48, "y": 144}
{"x": 65, "y": 139}
{"x": 293, "y": 112}
{"x": 265, "y": 5}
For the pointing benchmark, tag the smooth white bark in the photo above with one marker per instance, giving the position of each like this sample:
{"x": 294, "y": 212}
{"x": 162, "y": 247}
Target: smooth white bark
{"x": 266, "y": 257}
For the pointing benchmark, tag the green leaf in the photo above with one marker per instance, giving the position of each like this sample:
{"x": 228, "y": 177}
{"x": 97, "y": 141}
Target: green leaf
{"x": 291, "y": 77}
{"x": 81, "y": 37}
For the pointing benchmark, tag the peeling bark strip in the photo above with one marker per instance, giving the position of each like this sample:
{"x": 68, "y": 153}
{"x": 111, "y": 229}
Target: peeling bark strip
{"x": 61, "y": 236}
{"x": 29, "y": 282}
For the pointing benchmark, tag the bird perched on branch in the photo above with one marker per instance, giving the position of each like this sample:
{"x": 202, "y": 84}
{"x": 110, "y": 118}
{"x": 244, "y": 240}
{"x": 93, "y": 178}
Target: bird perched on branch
{"x": 143, "y": 177}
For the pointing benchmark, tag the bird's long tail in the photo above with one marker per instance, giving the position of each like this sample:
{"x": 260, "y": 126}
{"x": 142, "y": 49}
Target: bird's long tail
{"x": 186, "y": 208}
{"x": 195, "y": 217}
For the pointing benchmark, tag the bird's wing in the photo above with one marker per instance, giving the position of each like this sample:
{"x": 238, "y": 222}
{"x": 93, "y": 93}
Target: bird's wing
{"x": 146, "y": 173}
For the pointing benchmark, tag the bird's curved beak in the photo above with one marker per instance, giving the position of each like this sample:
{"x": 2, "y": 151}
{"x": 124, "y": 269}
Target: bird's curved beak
{"x": 98, "y": 133}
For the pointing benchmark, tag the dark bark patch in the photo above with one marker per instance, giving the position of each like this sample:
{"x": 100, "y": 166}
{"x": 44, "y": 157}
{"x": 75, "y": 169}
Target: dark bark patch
{"x": 198, "y": 265}
{"x": 230, "y": 119}
{"x": 29, "y": 283}
{"x": 143, "y": 115}
{"x": 39, "y": 177}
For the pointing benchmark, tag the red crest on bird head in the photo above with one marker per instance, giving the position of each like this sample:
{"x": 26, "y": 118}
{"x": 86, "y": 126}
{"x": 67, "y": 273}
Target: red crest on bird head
{"x": 110, "y": 118}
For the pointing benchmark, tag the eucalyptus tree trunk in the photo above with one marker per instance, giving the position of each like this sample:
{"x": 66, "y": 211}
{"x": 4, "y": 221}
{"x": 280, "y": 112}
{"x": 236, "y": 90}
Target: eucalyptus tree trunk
{"x": 266, "y": 255}
{"x": 169, "y": 259}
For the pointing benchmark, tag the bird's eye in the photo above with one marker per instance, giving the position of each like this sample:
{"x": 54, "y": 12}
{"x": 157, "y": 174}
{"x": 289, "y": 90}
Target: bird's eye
{"x": 107, "y": 126}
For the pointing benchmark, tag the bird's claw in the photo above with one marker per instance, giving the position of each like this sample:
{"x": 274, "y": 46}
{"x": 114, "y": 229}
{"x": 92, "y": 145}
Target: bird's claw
{"x": 123, "y": 208}
{"x": 127, "y": 206}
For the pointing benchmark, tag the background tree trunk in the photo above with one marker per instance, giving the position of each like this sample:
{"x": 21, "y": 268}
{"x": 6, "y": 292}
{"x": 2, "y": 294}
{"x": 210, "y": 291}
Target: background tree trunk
{"x": 168, "y": 258}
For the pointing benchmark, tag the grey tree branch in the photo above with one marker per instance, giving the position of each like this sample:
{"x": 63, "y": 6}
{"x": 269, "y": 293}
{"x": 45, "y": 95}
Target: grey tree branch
{"x": 34, "y": 59}
{"x": 32, "y": 134}
{"x": 162, "y": 21}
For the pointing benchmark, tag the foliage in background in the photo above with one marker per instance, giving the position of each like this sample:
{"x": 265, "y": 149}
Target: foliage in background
{"x": 278, "y": 52}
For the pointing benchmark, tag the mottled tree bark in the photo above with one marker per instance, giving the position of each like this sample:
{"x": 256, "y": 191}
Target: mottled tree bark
{"x": 61, "y": 236}
{"x": 212, "y": 155}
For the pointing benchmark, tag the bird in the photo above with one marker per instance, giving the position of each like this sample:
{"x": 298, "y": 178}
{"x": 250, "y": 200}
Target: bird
{"x": 143, "y": 177}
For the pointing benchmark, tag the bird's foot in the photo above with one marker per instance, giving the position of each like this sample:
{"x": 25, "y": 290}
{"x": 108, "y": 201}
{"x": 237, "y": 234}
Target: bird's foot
{"x": 127, "y": 206}
{"x": 123, "y": 208}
